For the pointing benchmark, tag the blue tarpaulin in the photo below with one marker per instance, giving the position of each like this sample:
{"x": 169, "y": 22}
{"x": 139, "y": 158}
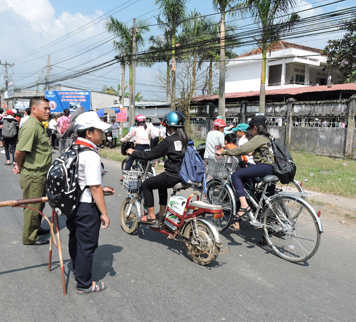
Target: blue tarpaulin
{"x": 104, "y": 110}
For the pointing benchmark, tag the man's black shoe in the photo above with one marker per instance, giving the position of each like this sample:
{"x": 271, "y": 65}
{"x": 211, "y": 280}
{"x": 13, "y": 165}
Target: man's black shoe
{"x": 41, "y": 242}
{"x": 43, "y": 232}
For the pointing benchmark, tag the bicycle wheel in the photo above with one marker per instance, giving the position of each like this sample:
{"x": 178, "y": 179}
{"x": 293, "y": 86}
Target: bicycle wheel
{"x": 292, "y": 187}
{"x": 291, "y": 229}
{"x": 222, "y": 195}
{"x": 128, "y": 219}
{"x": 151, "y": 171}
{"x": 123, "y": 165}
{"x": 202, "y": 249}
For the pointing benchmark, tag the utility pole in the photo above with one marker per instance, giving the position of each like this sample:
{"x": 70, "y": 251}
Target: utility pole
{"x": 6, "y": 76}
{"x": 133, "y": 80}
{"x": 48, "y": 69}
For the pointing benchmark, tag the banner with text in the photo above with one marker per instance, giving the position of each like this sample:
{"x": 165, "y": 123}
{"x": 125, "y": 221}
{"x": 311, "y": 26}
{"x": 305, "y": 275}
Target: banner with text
{"x": 122, "y": 115}
{"x": 60, "y": 100}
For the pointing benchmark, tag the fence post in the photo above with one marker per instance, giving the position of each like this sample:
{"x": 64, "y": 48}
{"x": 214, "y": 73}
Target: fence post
{"x": 350, "y": 134}
{"x": 243, "y": 111}
{"x": 289, "y": 121}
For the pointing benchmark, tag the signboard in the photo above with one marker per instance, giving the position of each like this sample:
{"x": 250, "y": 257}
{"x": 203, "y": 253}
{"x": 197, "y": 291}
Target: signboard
{"x": 60, "y": 100}
{"x": 10, "y": 89}
{"x": 115, "y": 134}
{"x": 122, "y": 115}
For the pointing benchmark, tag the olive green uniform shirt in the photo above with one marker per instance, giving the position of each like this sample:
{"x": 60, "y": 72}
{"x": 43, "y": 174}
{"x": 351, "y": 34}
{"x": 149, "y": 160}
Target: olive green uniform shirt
{"x": 33, "y": 140}
{"x": 260, "y": 145}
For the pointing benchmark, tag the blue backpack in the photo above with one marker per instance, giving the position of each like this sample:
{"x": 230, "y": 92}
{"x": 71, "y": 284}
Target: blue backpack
{"x": 192, "y": 170}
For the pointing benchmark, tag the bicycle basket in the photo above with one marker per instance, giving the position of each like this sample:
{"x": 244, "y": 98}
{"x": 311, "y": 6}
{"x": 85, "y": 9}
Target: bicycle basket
{"x": 222, "y": 166}
{"x": 132, "y": 181}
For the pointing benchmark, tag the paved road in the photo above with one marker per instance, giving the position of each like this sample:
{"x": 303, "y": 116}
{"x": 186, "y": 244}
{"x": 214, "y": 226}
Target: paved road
{"x": 150, "y": 278}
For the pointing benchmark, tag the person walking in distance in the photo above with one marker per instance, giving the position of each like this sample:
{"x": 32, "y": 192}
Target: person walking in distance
{"x": 9, "y": 132}
{"x": 33, "y": 157}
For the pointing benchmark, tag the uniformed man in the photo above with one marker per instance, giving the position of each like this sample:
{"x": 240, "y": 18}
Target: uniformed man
{"x": 33, "y": 159}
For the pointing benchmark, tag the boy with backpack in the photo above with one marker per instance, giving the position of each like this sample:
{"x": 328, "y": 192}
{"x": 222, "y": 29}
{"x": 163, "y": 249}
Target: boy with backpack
{"x": 84, "y": 224}
{"x": 9, "y": 133}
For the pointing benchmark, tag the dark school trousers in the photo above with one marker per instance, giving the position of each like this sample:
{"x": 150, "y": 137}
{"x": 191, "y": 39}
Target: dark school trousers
{"x": 138, "y": 147}
{"x": 252, "y": 171}
{"x": 83, "y": 228}
{"x": 10, "y": 143}
{"x": 161, "y": 182}
{"x": 154, "y": 142}
{"x": 33, "y": 186}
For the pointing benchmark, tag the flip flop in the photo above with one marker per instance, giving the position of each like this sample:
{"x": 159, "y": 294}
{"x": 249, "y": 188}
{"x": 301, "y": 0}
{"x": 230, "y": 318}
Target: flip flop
{"x": 7, "y": 163}
{"x": 97, "y": 288}
{"x": 148, "y": 221}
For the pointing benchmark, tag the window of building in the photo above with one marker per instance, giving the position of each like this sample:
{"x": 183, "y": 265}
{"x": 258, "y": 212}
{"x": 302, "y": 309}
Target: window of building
{"x": 299, "y": 79}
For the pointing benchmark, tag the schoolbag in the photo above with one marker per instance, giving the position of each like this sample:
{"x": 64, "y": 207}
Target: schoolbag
{"x": 192, "y": 170}
{"x": 62, "y": 187}
{"x": 65, "y": 125}
{"x": 283, "y": 166}
{"x": 9, "y": 130}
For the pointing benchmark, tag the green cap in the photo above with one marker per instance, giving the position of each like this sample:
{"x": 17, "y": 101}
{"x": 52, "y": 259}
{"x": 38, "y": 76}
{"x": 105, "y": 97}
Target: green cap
{"x": 241, "y": 127}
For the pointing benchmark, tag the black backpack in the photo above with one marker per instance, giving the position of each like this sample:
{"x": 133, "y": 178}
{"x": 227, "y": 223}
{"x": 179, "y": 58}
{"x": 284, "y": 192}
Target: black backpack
{"x": 283, "y": 166}
{"x": 62, "y": 187}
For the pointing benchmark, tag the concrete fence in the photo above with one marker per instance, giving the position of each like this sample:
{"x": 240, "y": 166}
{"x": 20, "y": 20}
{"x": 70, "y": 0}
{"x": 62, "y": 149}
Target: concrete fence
{"x": 320, "y": 127}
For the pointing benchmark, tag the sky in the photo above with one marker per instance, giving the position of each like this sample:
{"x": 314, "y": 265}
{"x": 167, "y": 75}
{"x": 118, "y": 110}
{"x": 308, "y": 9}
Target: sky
{"x": 32, "y": 30}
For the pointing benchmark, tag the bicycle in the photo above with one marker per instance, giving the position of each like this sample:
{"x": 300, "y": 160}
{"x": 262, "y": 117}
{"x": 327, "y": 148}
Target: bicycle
{"x": 183, "y": 221}
{"x": 290, "y": 225}
{"x": 220, "y": 190}
{"x": 138, "y": 164}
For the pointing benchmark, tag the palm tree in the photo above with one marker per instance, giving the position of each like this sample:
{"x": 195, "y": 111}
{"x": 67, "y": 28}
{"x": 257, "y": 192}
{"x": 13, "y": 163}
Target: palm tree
{"x": 173, "y": 12}
{"x": 222, "y": 6}
{"x": 211, "y": 50}
{"x": 161, "y": 48}
{"x": 124, "y": 46}
{"x": 274, "y": 18}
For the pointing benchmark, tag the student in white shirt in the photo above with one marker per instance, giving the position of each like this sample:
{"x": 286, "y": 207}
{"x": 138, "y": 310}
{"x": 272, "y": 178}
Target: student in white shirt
{"x": 84, "y": 225}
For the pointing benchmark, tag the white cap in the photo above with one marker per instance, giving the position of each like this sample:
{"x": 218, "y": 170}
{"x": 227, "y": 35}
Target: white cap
{"x": 14, "y": 110}
{"x": 90, "y": 119}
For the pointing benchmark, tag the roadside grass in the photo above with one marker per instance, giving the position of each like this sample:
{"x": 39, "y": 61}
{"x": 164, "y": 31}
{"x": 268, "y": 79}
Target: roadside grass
{"x": 325, "y": 174}
{"x": 317, "y": 173}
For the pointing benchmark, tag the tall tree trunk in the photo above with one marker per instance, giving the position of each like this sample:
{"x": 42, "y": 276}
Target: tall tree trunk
{"x": 222, "y": 67}
{"x": 168, "y": 83}
{"x": 194, "y": 76}
{"x": 263, "y": 82}
{"x": 122, "y": 89}
{"x": 131, "y": 109}
{"x": 174, "y": 68}
{"x": 210, "y": 82}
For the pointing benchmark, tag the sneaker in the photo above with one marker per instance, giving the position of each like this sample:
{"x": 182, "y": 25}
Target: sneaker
{"x": 122, "y": 179}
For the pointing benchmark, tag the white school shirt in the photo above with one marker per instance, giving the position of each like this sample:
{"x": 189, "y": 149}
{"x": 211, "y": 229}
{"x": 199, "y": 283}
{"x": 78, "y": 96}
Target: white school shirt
{"x": 242, "y": 141}
{"x": 89, "y": 171}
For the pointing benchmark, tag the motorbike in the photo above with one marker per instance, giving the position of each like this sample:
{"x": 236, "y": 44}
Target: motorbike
{"x": 184, "y": 220}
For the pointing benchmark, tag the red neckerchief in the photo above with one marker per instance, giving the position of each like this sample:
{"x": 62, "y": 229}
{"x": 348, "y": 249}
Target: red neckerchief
{"x": 84, "y": 143}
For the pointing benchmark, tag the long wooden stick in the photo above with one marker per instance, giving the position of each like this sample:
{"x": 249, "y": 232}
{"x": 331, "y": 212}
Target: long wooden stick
{"x": 19, "y": 202}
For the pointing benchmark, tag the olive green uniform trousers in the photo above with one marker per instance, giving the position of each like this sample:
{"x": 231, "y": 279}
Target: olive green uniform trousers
{"x": 32, "y": 187}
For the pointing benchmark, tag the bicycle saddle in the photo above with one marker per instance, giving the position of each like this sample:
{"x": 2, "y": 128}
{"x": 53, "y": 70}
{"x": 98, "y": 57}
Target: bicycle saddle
{"x": 270, "y": 178}
{"x": 180, "y": 186}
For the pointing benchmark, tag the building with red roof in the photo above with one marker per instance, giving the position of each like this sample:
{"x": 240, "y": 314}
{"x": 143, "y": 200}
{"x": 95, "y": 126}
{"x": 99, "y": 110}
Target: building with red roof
{"x": 289, "y": 65}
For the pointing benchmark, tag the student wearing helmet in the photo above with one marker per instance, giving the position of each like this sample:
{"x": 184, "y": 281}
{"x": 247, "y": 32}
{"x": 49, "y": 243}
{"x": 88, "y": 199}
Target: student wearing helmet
{"x": 215, "y": 139}
{"x": 173, "y": 146}
{"x": 141, "y": 136}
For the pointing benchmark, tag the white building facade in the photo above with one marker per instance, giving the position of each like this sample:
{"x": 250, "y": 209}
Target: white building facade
{"x": 288, "y": 65}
